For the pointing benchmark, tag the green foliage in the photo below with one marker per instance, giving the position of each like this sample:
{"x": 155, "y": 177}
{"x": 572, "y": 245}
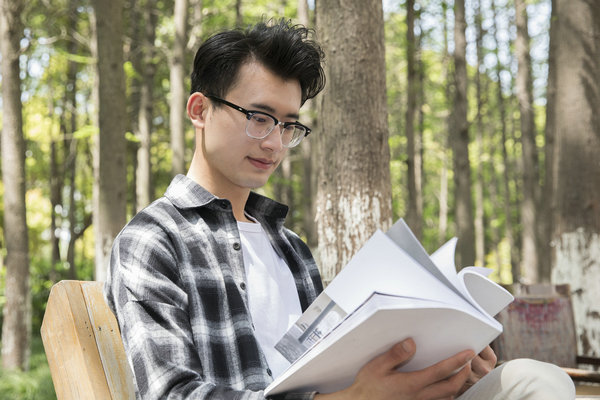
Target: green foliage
{"x": 35, "y": 384}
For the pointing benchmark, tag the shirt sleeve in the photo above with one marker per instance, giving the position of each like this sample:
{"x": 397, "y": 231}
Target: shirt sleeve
{"x": 144, "y": 293}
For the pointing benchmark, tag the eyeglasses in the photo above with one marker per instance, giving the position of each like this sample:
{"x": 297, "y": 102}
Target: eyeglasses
{"x": 260, "y": 125}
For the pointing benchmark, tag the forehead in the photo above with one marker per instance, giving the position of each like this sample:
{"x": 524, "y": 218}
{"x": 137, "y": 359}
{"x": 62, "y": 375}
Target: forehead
{"x": 255, "y": 82}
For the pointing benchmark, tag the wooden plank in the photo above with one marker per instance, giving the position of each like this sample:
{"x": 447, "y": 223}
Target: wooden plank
{"x": 583, "y": 375}
{"x": 70, "y": 345}
{"x": 109, "y": 343}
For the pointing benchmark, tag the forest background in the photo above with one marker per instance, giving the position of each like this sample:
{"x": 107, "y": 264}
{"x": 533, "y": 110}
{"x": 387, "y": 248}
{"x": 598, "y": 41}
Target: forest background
{"x": 469, "y": 118}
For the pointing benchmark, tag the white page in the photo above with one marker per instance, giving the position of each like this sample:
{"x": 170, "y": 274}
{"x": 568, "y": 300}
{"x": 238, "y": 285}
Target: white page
{"x": 401, "y": 234}
{"x": 484, "y": 294}
{"x": 381, "y": 266}
{"x": 488, "y": 295}
{"x": 443, "y": 258}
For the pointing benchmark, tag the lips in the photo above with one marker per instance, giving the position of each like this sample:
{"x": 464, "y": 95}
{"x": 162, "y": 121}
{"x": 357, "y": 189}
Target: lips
{"x": 261, "y": 163}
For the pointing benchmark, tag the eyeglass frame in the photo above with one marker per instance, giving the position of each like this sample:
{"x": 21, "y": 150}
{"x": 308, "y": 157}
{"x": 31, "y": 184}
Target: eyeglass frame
{"x": 250, "y": 113}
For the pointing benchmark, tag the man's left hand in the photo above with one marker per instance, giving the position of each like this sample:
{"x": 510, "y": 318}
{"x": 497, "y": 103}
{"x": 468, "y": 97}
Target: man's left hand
{"x": 483, "y": 363}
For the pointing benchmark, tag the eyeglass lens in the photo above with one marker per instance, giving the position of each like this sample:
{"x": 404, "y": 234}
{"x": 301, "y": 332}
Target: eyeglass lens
{"x": 261, "y": 125}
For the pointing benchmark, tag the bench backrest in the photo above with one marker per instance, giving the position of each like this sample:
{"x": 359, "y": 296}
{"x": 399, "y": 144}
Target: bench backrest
{"x": 83, "y": 344}
{"x": 539, "y": 324}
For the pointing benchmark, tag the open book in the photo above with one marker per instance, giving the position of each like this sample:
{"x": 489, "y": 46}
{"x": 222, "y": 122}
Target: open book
{"x": 389, "y": 291}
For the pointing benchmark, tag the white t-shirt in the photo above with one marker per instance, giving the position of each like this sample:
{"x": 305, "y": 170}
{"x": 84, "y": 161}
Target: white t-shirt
{"x": 272, "y": 294}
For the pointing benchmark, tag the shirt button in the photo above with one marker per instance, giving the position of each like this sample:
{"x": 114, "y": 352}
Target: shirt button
{"x": 237, "y": 246}
{"x": 269, "y": 372}
{"x": 243, "y": 285}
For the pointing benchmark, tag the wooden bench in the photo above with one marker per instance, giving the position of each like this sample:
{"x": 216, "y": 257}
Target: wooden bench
{"x": 87, "y": 359}
{"x": 83, "y": 344}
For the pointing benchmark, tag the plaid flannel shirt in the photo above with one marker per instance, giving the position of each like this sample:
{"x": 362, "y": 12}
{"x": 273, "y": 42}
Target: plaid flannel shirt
{"x": 176, "y": 284}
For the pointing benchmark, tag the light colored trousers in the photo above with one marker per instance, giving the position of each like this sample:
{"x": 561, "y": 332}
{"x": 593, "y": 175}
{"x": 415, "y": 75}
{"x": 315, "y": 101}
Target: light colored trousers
{"x": 523, "y": 379}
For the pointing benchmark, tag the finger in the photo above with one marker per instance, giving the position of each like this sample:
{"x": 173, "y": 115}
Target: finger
{"x": 483, "y": 363}
{"x": 397, "y": 355}
{"x": 449, "y": 387}
{"x": 443, "y": 369}
{"x": 481, "y": 367}
{"x": 488, "y": 354}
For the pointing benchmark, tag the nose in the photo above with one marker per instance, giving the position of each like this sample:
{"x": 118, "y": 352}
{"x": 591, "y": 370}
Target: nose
{"x": 273, "y": 141}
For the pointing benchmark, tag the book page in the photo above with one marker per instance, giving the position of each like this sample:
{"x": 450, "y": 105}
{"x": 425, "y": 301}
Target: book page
{"x": 401, "y": 234}
{"x": 320, "y": 318}
{"x": 488, "y": 295}
{"x": 382, "y": 266}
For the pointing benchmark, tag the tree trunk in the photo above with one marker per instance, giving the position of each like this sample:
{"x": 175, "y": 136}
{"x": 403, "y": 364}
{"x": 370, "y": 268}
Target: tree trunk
{"x": 443, "y": 213}
{"x": 354, "y": 188}
{"x": 69, "y": 142}
{"x": 144, "y": 192}
{"x": 508, "y": 226}
{"x": 55, "y": 200}
{"x": 72, "y": 209}
{"x": 414, "y": 212}
{"x": 110, "y": 170}
{"x": 479, "y": 213}
{"x": 577, "y": 194}
{"x": 309, "y": 181}
{"x": 239, "y": 18}
{"x": 178, "y": 94}
{"x": 195, "y": 25}
{"x": 465, "y": 230}
{"x": 524, "y": 88}
{"x": 16, "y": 324}
{"x": 548, "y": 206}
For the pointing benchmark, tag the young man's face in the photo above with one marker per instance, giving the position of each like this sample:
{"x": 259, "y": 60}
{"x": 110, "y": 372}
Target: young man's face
{"x": 232, "y": 159}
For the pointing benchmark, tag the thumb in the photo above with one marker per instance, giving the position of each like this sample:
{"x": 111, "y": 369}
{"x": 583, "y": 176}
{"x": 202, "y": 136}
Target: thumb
{"x": 396, "y": 356}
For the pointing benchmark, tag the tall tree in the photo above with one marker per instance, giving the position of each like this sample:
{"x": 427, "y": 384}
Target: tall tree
{"x": 308, "y": 148}
{"x": 354, "y": 188}
{"x": 459, "y": 138}
{"x": 576, "y": 126}
{"x": 414, "y": 212}
{"x": 239, "y": 16}
{"x": 548, "y": 206}
{"x": 56, "y": 187}
{"x": 110, "y": 171}
{"x": 16, "y": 325}
{"x": 479, "y": 213}
{"x": 69, "y": 141}
{"x": 177, "y": 81}
{"x": 443, "y": 196}
{"x": 144, "y": 192}
{"x": 508, "y": 224}
{"x": 530, "y": 166}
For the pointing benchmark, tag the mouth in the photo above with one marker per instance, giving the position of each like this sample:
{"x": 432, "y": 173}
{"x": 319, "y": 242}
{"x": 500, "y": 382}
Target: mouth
{"x": 261, "y": 163}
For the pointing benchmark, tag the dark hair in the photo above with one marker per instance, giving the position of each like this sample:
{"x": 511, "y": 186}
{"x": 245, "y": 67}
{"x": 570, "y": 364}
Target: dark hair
{"x": 285, "y": 49}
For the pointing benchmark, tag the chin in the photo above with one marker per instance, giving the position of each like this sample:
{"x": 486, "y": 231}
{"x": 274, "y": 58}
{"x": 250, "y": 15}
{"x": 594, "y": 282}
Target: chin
{"x": 254, "y": 184}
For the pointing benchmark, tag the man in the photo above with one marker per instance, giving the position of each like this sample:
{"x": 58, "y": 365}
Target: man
{"x": 205, "y": 280}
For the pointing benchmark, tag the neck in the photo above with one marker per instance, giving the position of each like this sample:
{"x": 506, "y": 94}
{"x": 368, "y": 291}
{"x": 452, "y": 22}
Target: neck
{"x": 237, "y": 196}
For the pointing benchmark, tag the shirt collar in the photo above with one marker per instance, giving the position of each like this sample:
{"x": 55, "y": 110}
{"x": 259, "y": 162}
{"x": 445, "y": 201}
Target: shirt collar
{"x": 184, "y": 192}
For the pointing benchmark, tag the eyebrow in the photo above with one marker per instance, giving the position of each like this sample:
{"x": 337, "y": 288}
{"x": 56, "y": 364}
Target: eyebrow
{"x": 271, "y": 110}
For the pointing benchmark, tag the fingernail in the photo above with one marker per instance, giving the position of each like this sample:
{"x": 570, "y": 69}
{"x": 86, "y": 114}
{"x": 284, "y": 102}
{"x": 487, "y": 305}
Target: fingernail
{"x": 407, "y": 345}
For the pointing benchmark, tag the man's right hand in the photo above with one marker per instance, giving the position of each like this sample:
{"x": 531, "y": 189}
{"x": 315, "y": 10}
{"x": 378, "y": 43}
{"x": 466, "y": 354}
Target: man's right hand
{"x": 379, "y": 379}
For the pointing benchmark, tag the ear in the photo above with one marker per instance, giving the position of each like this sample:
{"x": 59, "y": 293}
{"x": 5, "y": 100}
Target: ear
{"x": 197, "y": 107}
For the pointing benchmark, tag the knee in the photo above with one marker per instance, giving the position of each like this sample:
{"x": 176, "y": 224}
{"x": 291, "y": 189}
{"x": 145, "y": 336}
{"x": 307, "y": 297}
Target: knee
{"x": 537, "y": 380}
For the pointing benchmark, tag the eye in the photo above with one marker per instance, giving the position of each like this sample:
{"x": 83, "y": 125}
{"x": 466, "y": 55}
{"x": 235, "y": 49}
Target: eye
{"x": 262, "y": 119}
